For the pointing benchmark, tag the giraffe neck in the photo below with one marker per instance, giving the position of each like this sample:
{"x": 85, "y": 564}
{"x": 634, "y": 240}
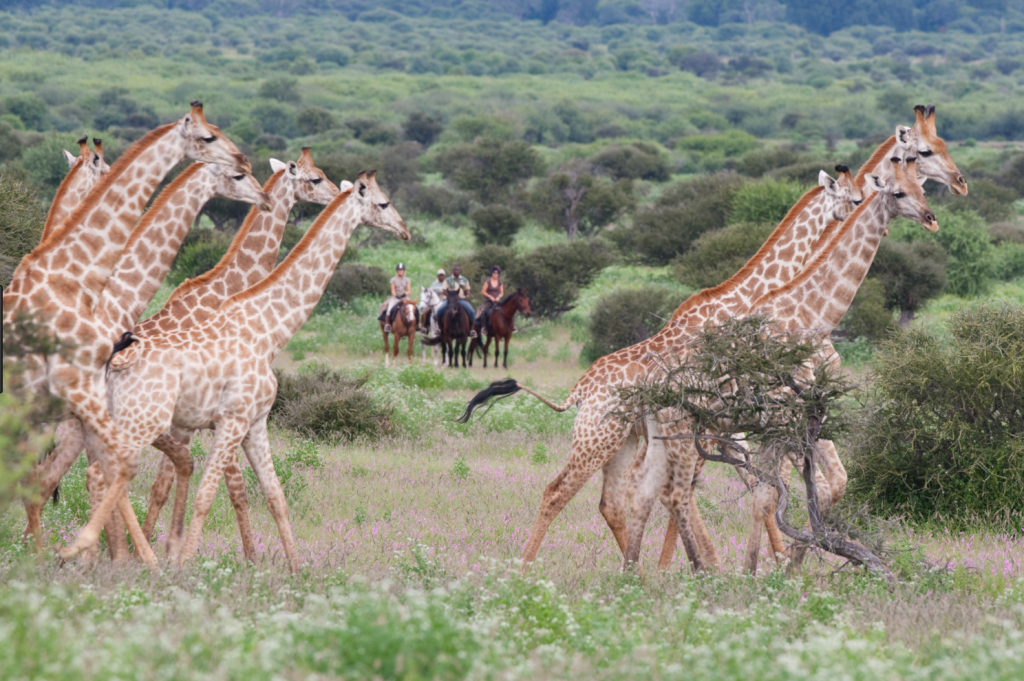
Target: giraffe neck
{"x": 819, "y": 296}
{"x": 277, "y": 307}
{"x": 250, "y": 259}
{"x": 150, "y": 250}
{"x": 85, "y": 248}
{"x": 876, "y": 165}
{"x": 72, "y": 191}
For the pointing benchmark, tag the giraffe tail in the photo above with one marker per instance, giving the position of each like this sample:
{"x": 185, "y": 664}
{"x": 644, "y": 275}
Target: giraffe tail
{"x": 500, "y": 390}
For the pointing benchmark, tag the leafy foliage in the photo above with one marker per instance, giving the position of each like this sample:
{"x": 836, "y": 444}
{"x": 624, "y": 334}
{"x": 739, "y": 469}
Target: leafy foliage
{"x": 637, "y": 161}
{"x": 324, "y": 403}
{"x": 353, "y": 280}
{"x": 489, "y": 168}
{"x": 717, "y": 255}
{"x": 944, "y": 437}
{"x": 579, "y": 203}
{"x": 624, "y": 318}
{"x": 554, "y": 275}
{"x": 869, "y": 316}
{"x": 767, "y": 201}
{"x": 21, "y": 224}
{"x": 496, "y": 224}
{"x": 909, "y": 274}
{"x": 200, "y": 251}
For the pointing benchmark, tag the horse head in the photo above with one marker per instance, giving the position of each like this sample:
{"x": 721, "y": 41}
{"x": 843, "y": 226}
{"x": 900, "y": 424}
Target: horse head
{"x": 523, "y": 302}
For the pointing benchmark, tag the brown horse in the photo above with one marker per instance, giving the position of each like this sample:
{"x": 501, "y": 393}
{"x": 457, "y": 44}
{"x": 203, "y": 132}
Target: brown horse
{"x": 499, "y": 326}
{"x": 406, "y": 320}
{"x": 455, "y": 327}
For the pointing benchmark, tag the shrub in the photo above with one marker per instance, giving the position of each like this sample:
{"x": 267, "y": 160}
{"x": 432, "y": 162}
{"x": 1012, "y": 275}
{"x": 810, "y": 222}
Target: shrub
{"x": 282, "y": 88}
{"x": 396, "y": 166}
{"x": 575, "y": 201}
{"x": 324, "y": 403}
{"x": 553, "y": 275}
{"x": 371, "y": 131}
{"x": 10, "y": 142}
{"x": 624, "y": 318}
{"x": 199, "y": 252}
{"x": 477, "y": 266}
{"x": 761, "y": 161}
{"x": 909, "y": 274}
{"x": 730, "y": 143}
{"x": 496, "y": 224}
{"x": 703, "y": 64}
{"x": 436, "y": 202}
{"x": 353, "y": 280}
{"x": 868, "y": 316}
{"x": 46, "y": 164}
{"x": 944, "y": 438}
{"x": 971, "y": 263}
{"x": 21, "y": 223}
{"x": 715, "y": 256}
{"x": 275, "y": 118}
{"x": 805, "y": 173}
{"x": 422, "y": 128}
{"x": 636, "y": 161}
{"x": 29, "y": 107}
{"x": 986, "y": 198}
{"x": 680, "y": 215}
{"x": 489, "y": 167}
{"x": 766, "y": 201}
{"x": 315, "y": 120}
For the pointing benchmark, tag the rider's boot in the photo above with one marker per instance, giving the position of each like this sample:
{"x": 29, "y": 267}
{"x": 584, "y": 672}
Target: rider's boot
{"x": 387, "y": 328}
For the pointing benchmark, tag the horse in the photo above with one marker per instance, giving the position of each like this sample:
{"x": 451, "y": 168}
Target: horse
{"x": 430, "y": 300}
{"x": 500, "y": 326}
{"x": 455, "y": 328}
{"x": 404, "y": 326}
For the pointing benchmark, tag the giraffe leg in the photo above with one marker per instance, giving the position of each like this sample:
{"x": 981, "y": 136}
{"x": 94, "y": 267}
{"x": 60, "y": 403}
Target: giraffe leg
{"x": 240, "y": 500}
{"x": 257, "y": 450}
{"x": 668, "y": 546}
{"x": 652, "y": 476}
{"x": 51, "y": 471}
{"x": 176, "y": 465}
{"x": 833, "y": 469}
{"x": 616, "y": 486}
{"x": 227, "y": 436}
{"x": 117, "y": 545}
{"x": 682, "y": 464}
{"x": 708, "y": 552}
{"x": 158, "y": 494}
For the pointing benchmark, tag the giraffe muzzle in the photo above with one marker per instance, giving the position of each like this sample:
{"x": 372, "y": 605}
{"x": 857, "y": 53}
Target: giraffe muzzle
{"x": 960, "y": 186}
{"x": 929, "y": 222}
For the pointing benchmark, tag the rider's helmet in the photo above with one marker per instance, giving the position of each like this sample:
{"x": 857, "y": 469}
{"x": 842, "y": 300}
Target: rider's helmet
{"x": 400, "y": 267}
{"x": 496, "y": 268}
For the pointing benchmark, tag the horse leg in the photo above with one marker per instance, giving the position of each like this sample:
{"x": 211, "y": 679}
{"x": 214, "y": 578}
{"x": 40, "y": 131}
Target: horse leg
{"x": 504, "y": 363}
{"x": 411, "y": 337}
{"x": 387, "y": 346}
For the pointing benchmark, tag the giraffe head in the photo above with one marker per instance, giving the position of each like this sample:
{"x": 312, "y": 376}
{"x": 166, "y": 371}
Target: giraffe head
{"x": 236, "y": 186}
{"x": 92, "y": 161}
{"x": 307, "y": 181}
{"x": 903, "y": 195}
{"x": 205, "y": 142}
{"x": 374, "y": 207}
{"x": 843, "y": 191}
{"x": 923, "y": 143}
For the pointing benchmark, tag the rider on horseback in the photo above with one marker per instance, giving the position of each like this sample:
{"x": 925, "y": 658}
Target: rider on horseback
{"x": 401, "y": 288}
{"x": 459, "y": 283}
{"x": 493, "y": 291}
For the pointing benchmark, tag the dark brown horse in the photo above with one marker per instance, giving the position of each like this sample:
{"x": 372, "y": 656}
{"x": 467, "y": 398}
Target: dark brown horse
{"x": 455, "y": 327}
{"x": 404, "y": 325}
{"x": 499, "y": 326}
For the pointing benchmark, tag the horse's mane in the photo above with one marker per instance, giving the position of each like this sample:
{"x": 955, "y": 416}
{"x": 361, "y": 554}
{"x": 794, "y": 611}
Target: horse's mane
{"x": 508, "y": 297}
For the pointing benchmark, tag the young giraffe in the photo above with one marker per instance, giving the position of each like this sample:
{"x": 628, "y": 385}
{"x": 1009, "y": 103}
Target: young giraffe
{"x": 933, "y": 162}
{"x": 814, "y": 301}
{"x": 86, "y": 170}
{"x": 598, "y": 442}
{"x": 145, "y": 261}
{"x": 59, "y": 283}
{"x": 218, "y": 373}
{"x": 249, "y": 260}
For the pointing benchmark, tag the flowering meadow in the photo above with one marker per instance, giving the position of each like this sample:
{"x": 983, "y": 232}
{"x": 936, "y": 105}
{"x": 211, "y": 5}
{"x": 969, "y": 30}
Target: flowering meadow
{"x": 409, "y": 547}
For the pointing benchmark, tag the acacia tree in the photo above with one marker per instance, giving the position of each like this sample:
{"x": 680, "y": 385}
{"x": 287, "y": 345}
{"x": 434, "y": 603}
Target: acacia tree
{"x": 574, "y": 200}
{"x": 747, "y": 388}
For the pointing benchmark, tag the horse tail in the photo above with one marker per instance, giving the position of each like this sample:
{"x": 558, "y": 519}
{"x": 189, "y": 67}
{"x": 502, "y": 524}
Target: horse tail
{"x": 432, "y": 341}
{"x": 502, "y": 389}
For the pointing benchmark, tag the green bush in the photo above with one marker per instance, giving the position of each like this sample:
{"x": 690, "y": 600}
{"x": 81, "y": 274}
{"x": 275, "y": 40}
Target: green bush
{"x": 626, "y": 317}
{"x": 10, "y": 142}
{"x": 353, "y": 280}
{"x": 46, "y": 164}
{"x": 945, "y": 435}
{"x": 730, "y": 143}
{"x": 972, "y": 264}
{"x": 868, "y": 316}
{"x": 422, "y": 128}
{"x": 910, "y": 274}
{"x": 281, "y": 88}
{"x": 315, "y": 120}
{"x": 715, "y": 256}
{"x": 496, "y": 224}
{"x": 767, "y": 201}
{"x": 324, "y": 403}
{"x": 761, "y": 161}
{"x": 29, "y": 107}
{"x": 21, "y": 224}
{"x": 637, "y": 161}
{"x": 275, "y": 118}
{"x": 575, "y": 201}
{"x": 489, "y": 167}
{"x": 554, "y": 275}
{"x": 199, "y": 252}
{"x": 437, "y": 202}
{"x": 986, "y": 198}
{"x": 679, "y": 216}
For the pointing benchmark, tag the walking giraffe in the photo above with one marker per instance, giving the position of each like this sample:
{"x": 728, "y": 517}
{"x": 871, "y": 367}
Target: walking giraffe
{"x": 600, "y": 442}
{"x": 59, "y": 283}
{"x": 145, "y": 260}
{"x": 812, "y": 303}
{"x": 218, "y": 372}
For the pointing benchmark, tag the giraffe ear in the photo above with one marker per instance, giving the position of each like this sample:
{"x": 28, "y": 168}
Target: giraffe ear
{"x": 293, "y": 168}
{"x": 345, "y": 186}
{"x": 903, "y": 136}
{"x": 276, "y": 165}
{"x": 70, "y": 158}
{"x": 877, "y": 182}
{"x": 826, "y": 181}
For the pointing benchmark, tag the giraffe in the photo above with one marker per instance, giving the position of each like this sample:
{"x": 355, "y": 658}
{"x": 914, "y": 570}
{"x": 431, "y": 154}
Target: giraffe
{"x": 599, "y": 442}
{"x": 59, "y": 282}
{"x": 812, "y": 302}
{"x": 146, "y": 258}
{"x": 218, "y": 372}
{"x": 85, "y": 171}
{"x": 249, "y": 260}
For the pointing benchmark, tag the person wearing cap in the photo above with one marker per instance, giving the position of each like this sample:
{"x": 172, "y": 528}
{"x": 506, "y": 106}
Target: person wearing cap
{"x": 439, "y": 284}
{"x": 459, "y": 283}
{"x": 400, "y": 288}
